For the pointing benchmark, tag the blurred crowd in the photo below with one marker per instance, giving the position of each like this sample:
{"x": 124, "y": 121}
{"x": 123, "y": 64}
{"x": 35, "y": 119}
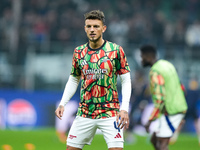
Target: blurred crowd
{"x": 58, "y": 26}
{"x": 130, "y": 21}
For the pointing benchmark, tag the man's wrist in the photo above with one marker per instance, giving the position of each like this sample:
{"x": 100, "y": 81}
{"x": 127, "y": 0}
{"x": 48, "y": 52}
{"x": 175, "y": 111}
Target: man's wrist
{"x": 60, "y": 106}
{"x": 124, "y": 106}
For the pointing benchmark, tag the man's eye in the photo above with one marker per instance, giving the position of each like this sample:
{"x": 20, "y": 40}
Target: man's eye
{"x": 88, "y": 26}
{"x": 96, "y": 26}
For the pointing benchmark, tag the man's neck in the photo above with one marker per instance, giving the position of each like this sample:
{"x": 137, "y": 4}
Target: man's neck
{"x": 96, "y": 45}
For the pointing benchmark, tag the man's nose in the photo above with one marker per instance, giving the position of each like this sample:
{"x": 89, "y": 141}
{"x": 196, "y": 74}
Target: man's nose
{"x": 92, "y": 29}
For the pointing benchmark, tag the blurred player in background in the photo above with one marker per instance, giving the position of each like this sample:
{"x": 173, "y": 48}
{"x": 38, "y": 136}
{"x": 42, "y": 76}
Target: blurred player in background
{"x": 169, "y": 101}
{"x": 63, "y": 126}
{"x": 98, "y": 63}
{"x": 192, "y": 97}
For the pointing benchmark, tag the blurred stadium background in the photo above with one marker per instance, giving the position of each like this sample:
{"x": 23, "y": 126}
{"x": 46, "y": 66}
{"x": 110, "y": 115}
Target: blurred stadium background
{"x": 37, "y": 39}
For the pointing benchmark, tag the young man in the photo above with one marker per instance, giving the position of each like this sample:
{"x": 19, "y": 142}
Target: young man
{"x": 98, "y": 63}
{"x": 169, "y": 102}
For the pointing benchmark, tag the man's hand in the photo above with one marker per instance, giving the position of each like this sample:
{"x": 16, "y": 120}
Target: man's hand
{"x": 59, "y": 111}
{"x": 124, "y": 119}
{"x": 147, "y": 125}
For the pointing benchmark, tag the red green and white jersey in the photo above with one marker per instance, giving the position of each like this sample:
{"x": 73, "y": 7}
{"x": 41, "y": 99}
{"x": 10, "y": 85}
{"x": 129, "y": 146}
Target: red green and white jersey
{"x": 98, "y": 69}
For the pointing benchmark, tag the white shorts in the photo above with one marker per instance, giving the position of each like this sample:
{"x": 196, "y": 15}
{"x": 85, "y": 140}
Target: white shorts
{"x": 83, "y": 130}
{"x": 168, "y": 124}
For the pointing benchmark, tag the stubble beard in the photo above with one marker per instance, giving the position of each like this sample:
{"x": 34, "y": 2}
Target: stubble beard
{"x": 146, "y": 64}
{"x": 94, "y": 40}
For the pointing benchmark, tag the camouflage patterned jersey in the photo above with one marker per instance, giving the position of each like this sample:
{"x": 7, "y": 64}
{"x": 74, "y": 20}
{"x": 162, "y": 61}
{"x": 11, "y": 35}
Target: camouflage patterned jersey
{"x": 98, "y": 69}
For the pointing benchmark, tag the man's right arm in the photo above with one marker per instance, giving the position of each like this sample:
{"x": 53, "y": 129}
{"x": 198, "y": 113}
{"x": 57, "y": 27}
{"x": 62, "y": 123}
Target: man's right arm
{"x": 157, "y": 84}
{"x": 69, "y": 91}
{"x": 158, "y": 94}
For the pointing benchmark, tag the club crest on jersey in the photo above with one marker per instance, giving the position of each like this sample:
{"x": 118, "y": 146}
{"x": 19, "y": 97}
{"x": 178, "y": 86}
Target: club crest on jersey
{"x": 105, "y": 60}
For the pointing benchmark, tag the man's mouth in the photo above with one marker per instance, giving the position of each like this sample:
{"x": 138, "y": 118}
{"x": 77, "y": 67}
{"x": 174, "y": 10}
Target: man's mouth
{"x": 92, "y": 35}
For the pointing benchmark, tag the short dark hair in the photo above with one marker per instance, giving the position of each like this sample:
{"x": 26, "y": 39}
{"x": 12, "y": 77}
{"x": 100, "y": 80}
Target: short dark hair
{"x": 95, "y": 14}
{"x": 148, "y": 49}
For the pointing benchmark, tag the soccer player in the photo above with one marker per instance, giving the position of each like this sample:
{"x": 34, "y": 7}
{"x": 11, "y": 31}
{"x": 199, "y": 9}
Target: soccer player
{"x": 169, "y": 101}
{"x": 97, "y": 63}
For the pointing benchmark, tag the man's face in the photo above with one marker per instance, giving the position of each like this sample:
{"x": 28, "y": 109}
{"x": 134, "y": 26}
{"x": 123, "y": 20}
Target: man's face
{"x": 94, "y": 29}
{"x": 146, "y": 60}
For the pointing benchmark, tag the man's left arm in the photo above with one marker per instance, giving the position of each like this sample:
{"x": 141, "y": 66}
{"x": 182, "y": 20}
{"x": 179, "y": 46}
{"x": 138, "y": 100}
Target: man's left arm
{"x": 126, "y": 93}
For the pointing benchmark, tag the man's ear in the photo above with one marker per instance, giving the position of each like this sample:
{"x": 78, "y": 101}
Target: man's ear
{"x": 104, "y": 28}
{"x": 85, "y": 28}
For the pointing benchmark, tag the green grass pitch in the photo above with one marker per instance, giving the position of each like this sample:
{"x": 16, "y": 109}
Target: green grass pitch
{"x": 46, "y": 139}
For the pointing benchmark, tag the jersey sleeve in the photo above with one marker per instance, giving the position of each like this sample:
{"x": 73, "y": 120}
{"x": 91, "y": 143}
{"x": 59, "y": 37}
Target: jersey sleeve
{"x": 126, "y": 90}
{"x": 75, "y": 70}
{"x": 157, "y": 84}
{"x": 122, "y": 64}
